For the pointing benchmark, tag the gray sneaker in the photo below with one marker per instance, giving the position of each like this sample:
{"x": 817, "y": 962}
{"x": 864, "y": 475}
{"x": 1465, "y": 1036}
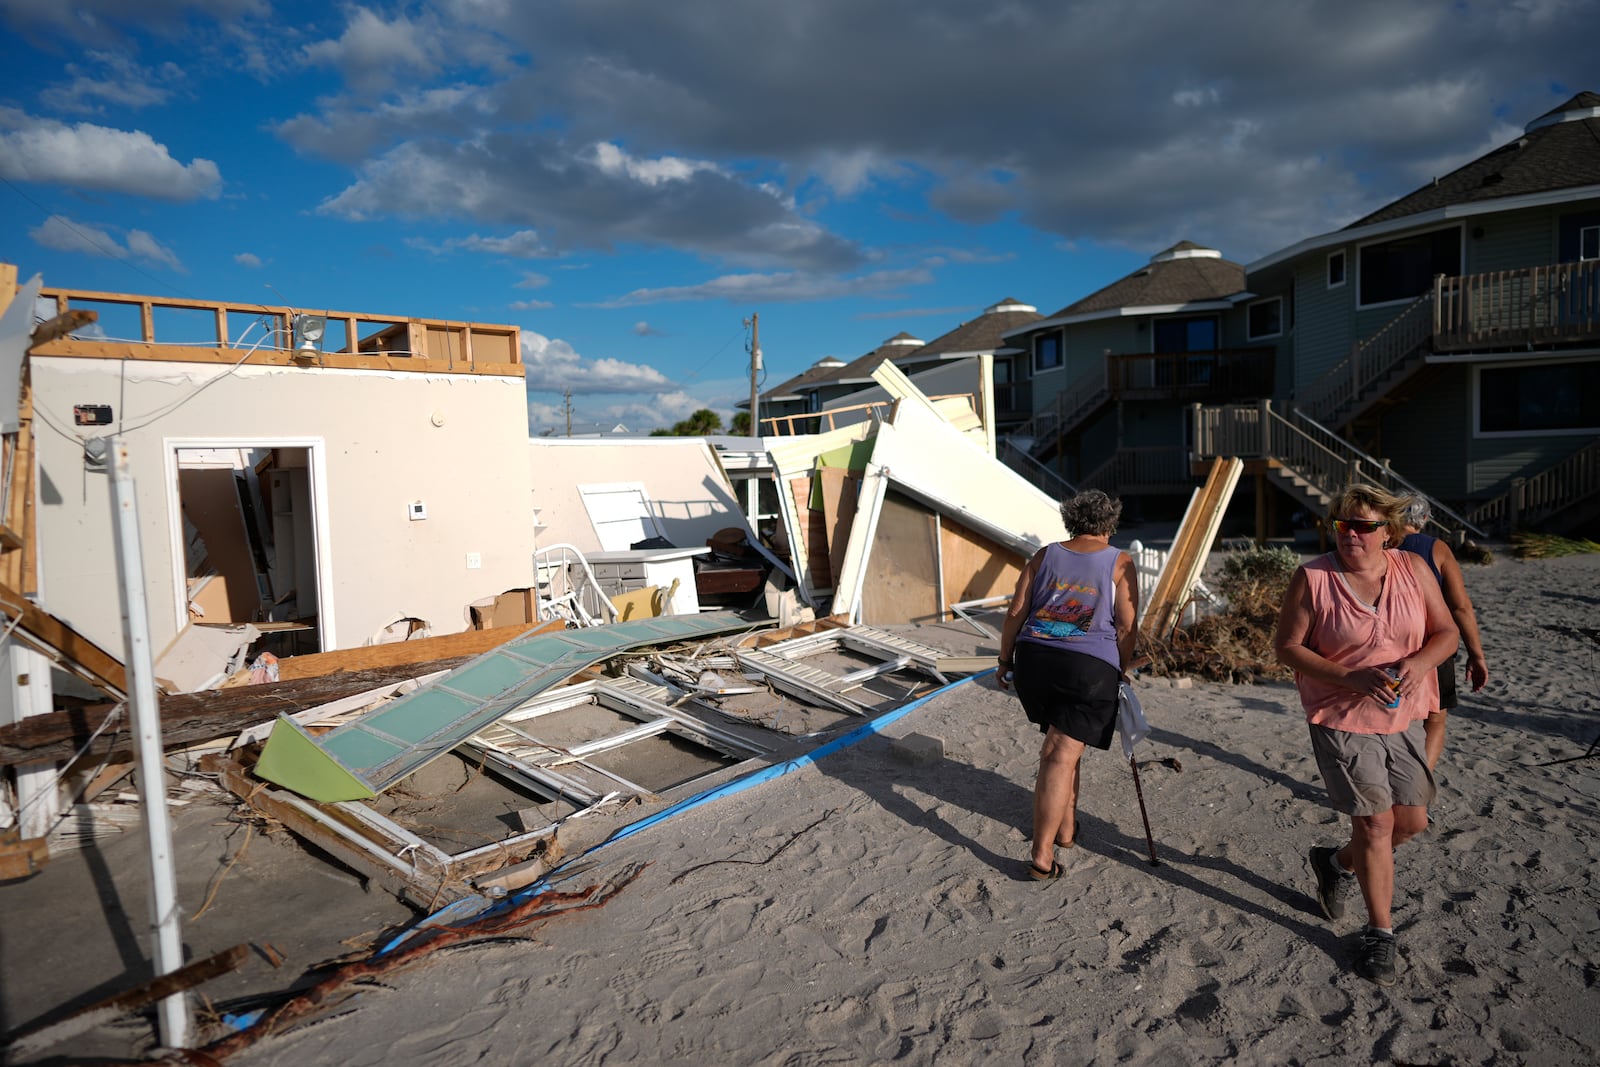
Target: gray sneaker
{"x": 1375, "y": 959}
{"x": 1333, "y": 881}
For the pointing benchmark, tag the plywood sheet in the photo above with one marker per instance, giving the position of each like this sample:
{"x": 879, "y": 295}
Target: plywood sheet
{"x": 903, "y": 584}
{"x": 211, "y": 503}
{"x": 839, "y": 491}
{"x": 814, "y": 531}
{"x": 975, "y": 566}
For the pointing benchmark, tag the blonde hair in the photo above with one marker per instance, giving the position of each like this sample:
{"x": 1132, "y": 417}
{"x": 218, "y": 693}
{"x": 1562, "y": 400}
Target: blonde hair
{"x": 1385, "y": 503}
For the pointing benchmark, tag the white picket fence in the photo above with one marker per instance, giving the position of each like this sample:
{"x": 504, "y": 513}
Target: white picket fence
{"x": 1147, "y": 563}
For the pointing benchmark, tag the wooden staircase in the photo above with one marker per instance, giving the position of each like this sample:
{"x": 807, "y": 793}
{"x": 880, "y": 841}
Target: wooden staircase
{"x": 1557, "y": 498}
{"x": 1374, "y": 367}
{"x": 1306, "y": 459}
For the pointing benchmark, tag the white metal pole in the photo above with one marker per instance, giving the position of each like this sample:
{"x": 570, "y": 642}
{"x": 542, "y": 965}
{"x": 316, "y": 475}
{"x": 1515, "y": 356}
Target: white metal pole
{"x": 146, "y": 718}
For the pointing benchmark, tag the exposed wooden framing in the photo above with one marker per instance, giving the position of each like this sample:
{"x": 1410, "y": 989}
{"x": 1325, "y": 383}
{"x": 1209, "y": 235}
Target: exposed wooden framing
{"x": 336, "y": 832}
{"x": 192, "y": 718}
{"x": 72, "y": 651}
{"x": 62, "y": 325}
{"x": 424, "y": 345}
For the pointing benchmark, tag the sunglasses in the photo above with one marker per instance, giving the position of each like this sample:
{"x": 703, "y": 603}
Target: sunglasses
{"x": 1361, "y": 526}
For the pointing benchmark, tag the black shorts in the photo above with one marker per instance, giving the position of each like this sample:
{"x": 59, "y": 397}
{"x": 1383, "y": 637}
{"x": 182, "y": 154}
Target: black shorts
{"x": 1074, "y": 692}
{"x": 1447, "y": 683}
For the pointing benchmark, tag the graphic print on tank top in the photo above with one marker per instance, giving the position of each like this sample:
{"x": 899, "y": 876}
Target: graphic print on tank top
{"x": 1064, "y": 615}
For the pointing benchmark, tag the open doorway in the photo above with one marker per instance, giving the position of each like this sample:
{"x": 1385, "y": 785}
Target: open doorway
{"x": 248, "y": 529}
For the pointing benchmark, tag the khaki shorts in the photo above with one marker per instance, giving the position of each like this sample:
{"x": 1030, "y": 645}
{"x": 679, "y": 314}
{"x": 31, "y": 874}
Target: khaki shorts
{"x": 1367, "y": 774}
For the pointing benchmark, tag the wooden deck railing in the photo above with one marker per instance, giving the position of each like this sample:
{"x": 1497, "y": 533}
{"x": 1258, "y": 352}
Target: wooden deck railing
{"x": 1529, "y": 500}
{"x": 202, "y": 331}
{"x": 1554, "y": 304}
{"x": 1302, "y": 445}
{"x": 1401, "y": 338}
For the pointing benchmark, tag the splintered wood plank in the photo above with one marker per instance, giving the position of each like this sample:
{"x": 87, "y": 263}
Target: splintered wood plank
{"x": 77, "y": 652}
{"x": 398, "y": 653}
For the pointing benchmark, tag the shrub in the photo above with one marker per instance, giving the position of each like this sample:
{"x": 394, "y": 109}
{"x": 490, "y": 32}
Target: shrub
{"x": 1234, "y": 645}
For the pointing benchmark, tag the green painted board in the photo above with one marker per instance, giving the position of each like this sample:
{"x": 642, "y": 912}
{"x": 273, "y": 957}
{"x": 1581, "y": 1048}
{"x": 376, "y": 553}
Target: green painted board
{"x": 364, "y": 757}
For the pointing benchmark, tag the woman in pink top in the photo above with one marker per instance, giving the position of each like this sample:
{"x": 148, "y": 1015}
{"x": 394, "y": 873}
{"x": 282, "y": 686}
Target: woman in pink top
{"x": 1363, "y": 628}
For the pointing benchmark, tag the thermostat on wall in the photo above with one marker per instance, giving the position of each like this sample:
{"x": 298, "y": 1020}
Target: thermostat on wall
{"x": 416, "y": 510}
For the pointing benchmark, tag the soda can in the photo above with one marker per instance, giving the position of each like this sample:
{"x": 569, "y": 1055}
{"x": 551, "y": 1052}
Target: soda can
{"x": 1394, "y": 684}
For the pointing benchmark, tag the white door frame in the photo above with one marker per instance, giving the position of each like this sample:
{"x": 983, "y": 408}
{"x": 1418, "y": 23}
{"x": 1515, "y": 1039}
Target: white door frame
{"x": 317, "y": 467}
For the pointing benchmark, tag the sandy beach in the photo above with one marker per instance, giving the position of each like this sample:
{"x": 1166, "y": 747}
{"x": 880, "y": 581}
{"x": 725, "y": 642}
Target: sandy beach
{"x": 869, "y": 908}
{"x": 872, "y": 908}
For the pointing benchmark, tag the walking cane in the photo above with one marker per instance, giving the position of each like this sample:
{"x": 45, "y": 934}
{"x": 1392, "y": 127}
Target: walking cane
{"x": 1133, "y": 764}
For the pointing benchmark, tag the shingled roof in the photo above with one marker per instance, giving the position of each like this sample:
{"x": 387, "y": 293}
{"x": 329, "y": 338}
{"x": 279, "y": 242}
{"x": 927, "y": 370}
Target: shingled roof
{"x": 901, "y": 344}
{"x": 822, "y": 368}
{"x": 1186, "y": 273}
{"x": 982, "y": 334}
{"x": 1558, "y": 150}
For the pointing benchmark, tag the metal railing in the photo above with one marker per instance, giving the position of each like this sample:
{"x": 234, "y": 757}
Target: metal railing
{"x": 1529, "y": 500}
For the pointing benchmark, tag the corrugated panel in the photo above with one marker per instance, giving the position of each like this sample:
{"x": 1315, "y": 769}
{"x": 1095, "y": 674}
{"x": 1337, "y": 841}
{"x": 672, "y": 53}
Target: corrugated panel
{"x": 368, "y": 755}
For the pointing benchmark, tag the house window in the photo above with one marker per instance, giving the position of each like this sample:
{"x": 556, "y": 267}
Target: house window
{"x": 1545, "y": 398}
{"x": 1404, "y": 268}
{"x": 1264, "y": 319}
{"x": 1589, "y": 242}
{"x": 1335, "y": 269}
{"x": 1046, "y": 352}
{"x": 1196, "y": 334}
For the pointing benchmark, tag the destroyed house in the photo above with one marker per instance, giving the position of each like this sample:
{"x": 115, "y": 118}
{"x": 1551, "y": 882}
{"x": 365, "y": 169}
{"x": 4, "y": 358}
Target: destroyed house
{"x": 322, "y": 473}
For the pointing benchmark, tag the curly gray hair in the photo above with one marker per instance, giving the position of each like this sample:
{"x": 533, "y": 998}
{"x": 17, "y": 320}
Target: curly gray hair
{"x": 1091, "y": 512}
{"x": 1416, "y": 513}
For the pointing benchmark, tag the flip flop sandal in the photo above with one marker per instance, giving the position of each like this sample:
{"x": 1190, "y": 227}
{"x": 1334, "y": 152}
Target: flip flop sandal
{"x": 1039, "y": 874}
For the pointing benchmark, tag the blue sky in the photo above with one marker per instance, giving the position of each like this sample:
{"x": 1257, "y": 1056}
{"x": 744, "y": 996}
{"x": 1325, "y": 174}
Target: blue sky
{"x": 629, "y": 180}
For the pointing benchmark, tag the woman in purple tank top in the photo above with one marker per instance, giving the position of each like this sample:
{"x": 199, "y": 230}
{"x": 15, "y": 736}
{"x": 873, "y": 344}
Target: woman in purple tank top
{"x": 1068, "y": 637}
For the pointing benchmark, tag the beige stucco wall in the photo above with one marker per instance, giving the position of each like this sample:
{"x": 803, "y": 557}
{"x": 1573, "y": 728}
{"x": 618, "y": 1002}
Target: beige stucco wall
{"x": 688, "y": 490}
{"x": 379, "y": 450}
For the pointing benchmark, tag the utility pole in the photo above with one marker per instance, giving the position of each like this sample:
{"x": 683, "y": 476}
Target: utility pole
{"x": 754, "y": 322}
{"x": 567, "y": 403}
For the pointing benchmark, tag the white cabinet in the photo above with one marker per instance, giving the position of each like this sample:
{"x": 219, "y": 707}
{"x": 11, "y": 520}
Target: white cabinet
{"x": 619, "y": 572}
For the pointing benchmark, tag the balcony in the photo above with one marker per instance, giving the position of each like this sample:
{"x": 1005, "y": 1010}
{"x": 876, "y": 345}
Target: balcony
{"x": 1222, "y": 374}
{"x": 1550, "y": 305}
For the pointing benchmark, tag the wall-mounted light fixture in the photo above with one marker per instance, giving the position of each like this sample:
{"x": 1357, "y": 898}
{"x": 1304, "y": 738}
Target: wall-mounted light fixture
{"x": 308, "y": 331}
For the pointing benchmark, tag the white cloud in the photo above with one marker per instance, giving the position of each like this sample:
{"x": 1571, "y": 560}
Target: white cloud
{"x": 247, "y": 259}
{"x": 644, "y": 329}
{"x": 614, "y": 161}
{"x": 65, "y": 235}
{"x": 530, "y": 305}
{"x": 121, "y": 82}
{"x": 87, "y": 156}
{"x": 373, "y": 53}
{"x": 552, "y": 364}
{"x": 532, "y": 280}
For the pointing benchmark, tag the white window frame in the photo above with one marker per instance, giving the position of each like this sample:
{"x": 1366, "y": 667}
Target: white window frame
{"x": 1477, "y": 402}
{"x": 1588, "y": 235}
{"x": 1249, "y": 336}
{"x": 1461, "y": 259}
{"x": 1344, "y": 270}
{"x": 1061, "y": 352}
